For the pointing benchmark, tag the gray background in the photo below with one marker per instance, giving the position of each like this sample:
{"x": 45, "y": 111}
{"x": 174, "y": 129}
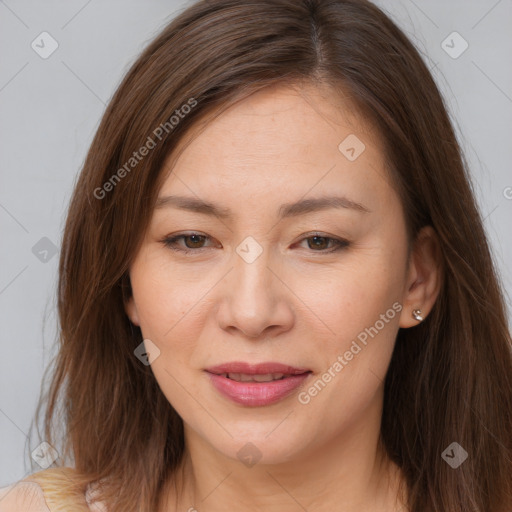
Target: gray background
{"x": 50, "y": 109}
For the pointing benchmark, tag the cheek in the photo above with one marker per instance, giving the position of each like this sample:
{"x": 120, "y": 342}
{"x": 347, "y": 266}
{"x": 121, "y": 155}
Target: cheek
{"x": 364, "y": 324}
{"x": 162, "y": 295}
{"x": 354, "y": 361}
{"x": 168, "y": 303}
{"x": 362, "y": 308}
{"x": 165, "y": 307}
{"x": 355, "y": 295}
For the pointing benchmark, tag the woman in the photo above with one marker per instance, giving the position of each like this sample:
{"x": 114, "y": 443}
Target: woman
{"x": 275, "y": 287}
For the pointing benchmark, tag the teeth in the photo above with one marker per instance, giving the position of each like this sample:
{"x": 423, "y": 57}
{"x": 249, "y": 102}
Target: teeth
{"x": 267, "y": 378}
{"x": 243, "y": 377}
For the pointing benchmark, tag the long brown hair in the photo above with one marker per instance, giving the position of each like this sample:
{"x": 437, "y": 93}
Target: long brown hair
{"x": 450, "y": 378}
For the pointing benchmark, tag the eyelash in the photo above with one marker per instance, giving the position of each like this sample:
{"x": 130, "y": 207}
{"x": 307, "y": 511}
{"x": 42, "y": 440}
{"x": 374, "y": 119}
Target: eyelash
{"x": 170, "y": 243}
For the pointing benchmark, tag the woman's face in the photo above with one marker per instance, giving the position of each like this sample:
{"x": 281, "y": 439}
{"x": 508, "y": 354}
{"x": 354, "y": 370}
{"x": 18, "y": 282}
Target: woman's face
{"x": 256, "y": 287}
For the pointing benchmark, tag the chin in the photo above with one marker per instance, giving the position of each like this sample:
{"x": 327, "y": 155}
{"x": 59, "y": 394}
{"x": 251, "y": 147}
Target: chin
{"x": 257, "y": 443}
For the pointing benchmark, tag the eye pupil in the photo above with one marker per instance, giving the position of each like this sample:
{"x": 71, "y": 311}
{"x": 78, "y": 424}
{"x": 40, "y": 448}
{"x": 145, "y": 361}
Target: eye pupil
{"x": 316, "y": 239}
{"x": 198, "y": 240}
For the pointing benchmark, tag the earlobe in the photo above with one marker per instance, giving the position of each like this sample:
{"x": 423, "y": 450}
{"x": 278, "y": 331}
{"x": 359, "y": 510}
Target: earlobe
{"x": 131, "y": 311}
{"x": 424, "y": 278}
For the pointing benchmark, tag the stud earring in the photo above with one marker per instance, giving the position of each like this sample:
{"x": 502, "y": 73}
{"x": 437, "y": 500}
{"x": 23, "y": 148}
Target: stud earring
{"x": 416, "y": 313}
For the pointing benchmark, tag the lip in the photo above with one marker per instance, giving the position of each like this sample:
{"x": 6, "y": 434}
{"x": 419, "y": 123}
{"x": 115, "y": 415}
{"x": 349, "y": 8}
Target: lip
{"x": 254, "y": 394}
{"x": 256, "y": 369}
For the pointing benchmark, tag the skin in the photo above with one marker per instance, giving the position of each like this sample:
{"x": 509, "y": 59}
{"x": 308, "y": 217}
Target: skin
{"x": 296, "y": 304}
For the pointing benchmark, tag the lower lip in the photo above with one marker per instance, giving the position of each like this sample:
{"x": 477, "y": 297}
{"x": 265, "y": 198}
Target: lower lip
{"x": 257, "y": 393}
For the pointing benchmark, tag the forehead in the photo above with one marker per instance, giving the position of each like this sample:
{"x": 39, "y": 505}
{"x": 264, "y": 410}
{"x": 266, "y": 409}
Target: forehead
{"x": 280, "y": 141}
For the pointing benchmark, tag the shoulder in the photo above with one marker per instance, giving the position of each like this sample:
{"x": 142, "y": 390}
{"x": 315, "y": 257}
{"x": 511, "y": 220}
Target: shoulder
{"x": 53, "y": 489}
{"x": 23, "y": 496}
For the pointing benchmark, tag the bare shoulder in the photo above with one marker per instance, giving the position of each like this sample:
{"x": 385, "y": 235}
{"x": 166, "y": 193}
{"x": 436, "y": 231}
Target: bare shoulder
{"x": 23, "y": 496}
{"x": 49, "y": 490}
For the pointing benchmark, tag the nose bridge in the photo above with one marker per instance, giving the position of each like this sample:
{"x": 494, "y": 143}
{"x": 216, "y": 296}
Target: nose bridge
{"x": 253, "y": 298}
{"x": 252, "y": 279}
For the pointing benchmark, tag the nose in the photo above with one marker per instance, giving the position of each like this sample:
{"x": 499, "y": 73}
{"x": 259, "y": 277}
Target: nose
{"x": 254, "y": 300}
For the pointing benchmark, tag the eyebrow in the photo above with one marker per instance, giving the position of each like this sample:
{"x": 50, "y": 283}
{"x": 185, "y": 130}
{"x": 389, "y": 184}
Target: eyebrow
{"x": 286, "y": 210}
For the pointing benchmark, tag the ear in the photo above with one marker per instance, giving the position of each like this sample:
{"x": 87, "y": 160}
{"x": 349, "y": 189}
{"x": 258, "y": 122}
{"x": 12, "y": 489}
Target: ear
{"x": 424, "y": 277}
{"x": 131, "y": 311}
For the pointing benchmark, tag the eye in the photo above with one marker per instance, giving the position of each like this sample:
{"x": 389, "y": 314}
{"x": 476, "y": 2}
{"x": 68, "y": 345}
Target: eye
{"x": 319, "y": 241}
{"x": 195, "y": 241}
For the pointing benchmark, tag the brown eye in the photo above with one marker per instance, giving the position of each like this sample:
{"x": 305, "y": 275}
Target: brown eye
{"x": 196, "y": 241}
{"x": 325, "y": 244}
{"x": 192, "y": 241}
{"x": 319, "y": 242}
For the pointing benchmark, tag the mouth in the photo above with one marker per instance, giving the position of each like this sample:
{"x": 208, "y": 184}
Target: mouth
{"x": 256, "y": 385}
{"x": 264, "y": 377}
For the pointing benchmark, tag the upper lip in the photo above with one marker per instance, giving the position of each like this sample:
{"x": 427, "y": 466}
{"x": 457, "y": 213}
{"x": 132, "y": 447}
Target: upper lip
{"x": 256, "y": 369}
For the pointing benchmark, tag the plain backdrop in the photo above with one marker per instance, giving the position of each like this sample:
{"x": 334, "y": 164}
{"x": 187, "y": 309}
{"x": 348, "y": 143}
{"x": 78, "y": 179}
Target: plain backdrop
{"x": 50, "y": 108}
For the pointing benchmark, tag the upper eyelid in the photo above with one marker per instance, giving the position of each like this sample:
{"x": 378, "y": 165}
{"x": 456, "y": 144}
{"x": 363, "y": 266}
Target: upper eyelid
{"x": 175, "y": 237}
{"x": 305, "y": 235}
